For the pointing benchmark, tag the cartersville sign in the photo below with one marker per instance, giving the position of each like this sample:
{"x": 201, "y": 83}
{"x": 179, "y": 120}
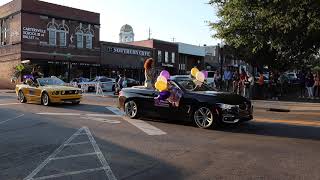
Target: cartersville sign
{"x": 32, "y": 33}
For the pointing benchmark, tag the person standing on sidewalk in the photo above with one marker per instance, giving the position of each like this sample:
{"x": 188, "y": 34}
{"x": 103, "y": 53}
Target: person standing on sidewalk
{"x": 227, "y": 78}
{"x": 261, "y": 85}
{"x": 316, "y": 86}
{"x": 302, "y": 83}
{"x": 309, "y": 84}
{"x": 217, "y": 79}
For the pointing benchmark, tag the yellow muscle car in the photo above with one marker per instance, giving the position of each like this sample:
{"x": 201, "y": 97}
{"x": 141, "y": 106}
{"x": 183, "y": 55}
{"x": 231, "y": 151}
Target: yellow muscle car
{"x": 47, "y": 91}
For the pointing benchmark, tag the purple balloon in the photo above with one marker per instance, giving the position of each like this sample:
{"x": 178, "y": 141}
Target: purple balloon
{"x": 164, "y": 95}
{"x": 165, "y": 73}
{"x": 205, "y": 73}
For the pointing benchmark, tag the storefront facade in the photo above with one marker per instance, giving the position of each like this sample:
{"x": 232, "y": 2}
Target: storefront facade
{"x": 61, "y": 40}
{"x": 126, "y": 59}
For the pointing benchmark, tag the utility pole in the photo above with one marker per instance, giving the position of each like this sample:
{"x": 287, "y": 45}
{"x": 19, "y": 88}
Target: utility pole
{"x": 149, "y": 33}
{"x": 173, "y": 39}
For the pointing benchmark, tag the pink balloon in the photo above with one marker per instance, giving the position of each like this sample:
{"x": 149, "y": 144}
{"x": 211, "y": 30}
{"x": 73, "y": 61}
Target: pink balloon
{"x": 165, "y": 73}
{"x": 205, "y": 73}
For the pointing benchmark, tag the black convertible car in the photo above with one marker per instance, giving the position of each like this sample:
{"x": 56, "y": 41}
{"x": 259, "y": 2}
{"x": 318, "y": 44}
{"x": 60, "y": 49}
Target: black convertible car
{"x": 198, "y": 103}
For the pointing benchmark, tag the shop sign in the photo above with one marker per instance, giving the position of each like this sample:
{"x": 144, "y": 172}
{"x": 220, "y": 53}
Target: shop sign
{"x": 167, "y": 65}
{"x": 32, "y": 33}
{"x": 128, "y": 51}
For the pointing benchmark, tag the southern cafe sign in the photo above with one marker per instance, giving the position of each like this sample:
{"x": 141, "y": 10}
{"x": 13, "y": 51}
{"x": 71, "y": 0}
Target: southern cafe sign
{"x": 128, "y": 51}
{"x": 32, "y": 33}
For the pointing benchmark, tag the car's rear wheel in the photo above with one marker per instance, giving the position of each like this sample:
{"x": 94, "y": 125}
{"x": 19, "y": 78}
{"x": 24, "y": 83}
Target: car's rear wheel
{"x": 21, "y": 97}
{"x": 45, "y": 100}
{"x": 204, "y": 118}
{"x": 131, "y": 109}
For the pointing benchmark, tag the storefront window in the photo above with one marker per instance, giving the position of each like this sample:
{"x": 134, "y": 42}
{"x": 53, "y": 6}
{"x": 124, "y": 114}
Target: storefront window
{"x": 166, "y": 57}
{"x": 52, "y": 35}
{"x": 173, "y": 57}
{"x": 89, "y": 41}
{"x": 159, "y": 56}
{"x": 63, "y": 41}
{"x": 79, "y": 39}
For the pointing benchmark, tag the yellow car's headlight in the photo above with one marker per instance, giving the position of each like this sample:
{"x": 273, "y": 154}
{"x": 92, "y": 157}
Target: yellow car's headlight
{"x": 55, "y": 92}
{"x": 63, "y": 92}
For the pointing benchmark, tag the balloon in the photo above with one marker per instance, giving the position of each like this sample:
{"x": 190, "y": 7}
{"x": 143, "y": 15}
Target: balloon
{"x": 200, "y": 76}
{"x": 165, "y": 73}
{"x": 164, "y": 95}
{"x": 162, "y": 78}
{"x": 161, "y": 86}
{"x": 194, "y": 71}
{"x": 205, "y": 74}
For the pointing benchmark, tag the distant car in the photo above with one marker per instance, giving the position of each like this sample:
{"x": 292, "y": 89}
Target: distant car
{"x": 132, "y": 82}
{"x": 210, "y": 79}
{"x": 292, "y": 77}
{"x": 198, "y": 103}
{"x": 47, "y": 91}
{"x": 107, "y": 84}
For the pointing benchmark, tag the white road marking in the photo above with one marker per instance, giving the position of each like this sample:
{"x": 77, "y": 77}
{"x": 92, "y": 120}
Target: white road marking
{"x": 102, "y": 120}
{"x": 7, "y": 104}
{"x": 59, "y": 114}
{"x": 11, "y": 119}
{"x": 145, "y": 127}
{"x": 103, "y": 161}
{"x": 73, "y": 156}
{"x": 102, "y": 115}
{"x": 97, "y": 151}
{"x": 79, "y": 143}
{"x": 115, "y": 111}
{"x": 69, "y": 173}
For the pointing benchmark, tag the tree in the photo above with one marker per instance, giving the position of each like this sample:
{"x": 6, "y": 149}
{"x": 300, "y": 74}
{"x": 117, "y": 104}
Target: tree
{"x": 281, "y": 33}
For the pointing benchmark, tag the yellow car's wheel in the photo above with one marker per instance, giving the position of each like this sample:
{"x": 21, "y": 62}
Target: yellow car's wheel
{"x": 21, "y": 97}
{"x": 45, "y": 100}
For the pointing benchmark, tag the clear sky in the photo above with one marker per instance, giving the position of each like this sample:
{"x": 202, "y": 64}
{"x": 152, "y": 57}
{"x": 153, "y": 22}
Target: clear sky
{"x": 184, "y": 20}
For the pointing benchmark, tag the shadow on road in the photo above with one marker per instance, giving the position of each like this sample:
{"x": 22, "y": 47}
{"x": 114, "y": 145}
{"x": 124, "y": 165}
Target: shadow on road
{"x": 20, "y": 156}
{"x": 83, "y": 107}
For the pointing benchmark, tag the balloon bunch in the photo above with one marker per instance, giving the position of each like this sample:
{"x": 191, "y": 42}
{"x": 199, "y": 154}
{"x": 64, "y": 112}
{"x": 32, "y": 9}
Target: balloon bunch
{"x": 162, "y": 85}
{"x": 199, "y": 75}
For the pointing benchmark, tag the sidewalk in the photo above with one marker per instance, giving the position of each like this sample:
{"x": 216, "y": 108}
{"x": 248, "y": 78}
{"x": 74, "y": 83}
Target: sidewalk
{"x": 285, "y": 105}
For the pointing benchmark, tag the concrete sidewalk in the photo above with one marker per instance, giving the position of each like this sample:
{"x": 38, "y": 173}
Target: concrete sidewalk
{"x": 285, "y": 105}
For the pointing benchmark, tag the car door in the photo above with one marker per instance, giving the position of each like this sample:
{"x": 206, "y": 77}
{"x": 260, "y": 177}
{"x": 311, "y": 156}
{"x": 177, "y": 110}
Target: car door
{"x": 34, "y": 93}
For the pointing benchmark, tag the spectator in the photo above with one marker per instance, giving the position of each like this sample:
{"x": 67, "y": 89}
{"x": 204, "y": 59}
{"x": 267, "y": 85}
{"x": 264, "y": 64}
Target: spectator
{"x": 261, "y": 85}
{"x": 302, "y": 83}
{"x": 244, "y": 83}
{"x": 309, "y": 84}
{"x": 217, "y": 79}
{"x": 316, "y": 86}
{"x": 125, "y": 82}
{"x": 236, "y": 80}
{"x": 227, "y": 78}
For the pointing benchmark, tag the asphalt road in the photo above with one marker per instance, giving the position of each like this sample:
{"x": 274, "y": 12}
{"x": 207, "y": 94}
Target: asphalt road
{"x": 90, "y": 141}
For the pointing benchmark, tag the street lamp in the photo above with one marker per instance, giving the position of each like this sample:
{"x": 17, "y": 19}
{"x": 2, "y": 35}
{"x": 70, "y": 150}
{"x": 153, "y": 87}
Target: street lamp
{"x": 69, "y": 66}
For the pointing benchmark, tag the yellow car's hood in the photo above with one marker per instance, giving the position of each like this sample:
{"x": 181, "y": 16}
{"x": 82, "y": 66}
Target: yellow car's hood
{"x": 61, "y": 88}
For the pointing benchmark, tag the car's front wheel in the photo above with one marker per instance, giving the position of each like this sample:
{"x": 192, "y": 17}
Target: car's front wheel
{"x": 131, "y": 109}
{"x": 45, "y": 100}
{"x": 204, "y": 118}
{"x": 21, "y": 97}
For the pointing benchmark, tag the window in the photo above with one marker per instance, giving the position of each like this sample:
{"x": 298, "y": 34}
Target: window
{"x": 63, "y": 41}
{"x": 173, "y": 57}
{"x": 79, "y": 40}
{"x": 166, "y": 57}
{"x": 89, "y": 41}
{"x": 52, "y": 37}
{"x": 159, "y": 56}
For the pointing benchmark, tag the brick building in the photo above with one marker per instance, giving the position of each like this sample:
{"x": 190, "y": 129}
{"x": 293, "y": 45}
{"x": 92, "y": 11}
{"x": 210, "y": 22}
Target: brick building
{"x": 190, "y": 56}
{"x": 61, "y": 40}
{"x": 165, "y": 54}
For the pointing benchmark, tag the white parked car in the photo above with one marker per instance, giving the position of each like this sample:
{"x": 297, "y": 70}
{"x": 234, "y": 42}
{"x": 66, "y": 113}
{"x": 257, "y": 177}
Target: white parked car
{"x": 107, "y": 84}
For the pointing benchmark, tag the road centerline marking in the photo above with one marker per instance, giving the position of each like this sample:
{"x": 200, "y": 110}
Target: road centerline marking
{"x": 10, "y": 119}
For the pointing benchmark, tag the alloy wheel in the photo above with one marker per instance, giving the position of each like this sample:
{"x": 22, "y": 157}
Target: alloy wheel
{"x": 21, "y": 96}
{"x": 203, "y": 117}
{"x": 45, "y": 99}
{"x": 131, "y": 109}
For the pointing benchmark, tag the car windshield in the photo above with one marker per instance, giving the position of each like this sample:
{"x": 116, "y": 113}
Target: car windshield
{"x": 193, "y": 85}
{"x": 50, "y": 81}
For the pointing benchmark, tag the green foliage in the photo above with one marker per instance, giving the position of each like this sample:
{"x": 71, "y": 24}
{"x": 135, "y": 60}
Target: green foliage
{"x": 281, "y": 33}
